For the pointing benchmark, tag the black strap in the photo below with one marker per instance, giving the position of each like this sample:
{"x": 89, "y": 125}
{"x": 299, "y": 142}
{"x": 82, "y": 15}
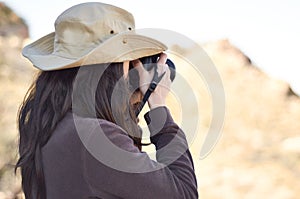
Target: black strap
{"x": 155, "y": 80}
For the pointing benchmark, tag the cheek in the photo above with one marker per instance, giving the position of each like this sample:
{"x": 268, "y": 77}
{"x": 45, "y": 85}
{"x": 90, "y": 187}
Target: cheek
{"x": 134, "y": 80}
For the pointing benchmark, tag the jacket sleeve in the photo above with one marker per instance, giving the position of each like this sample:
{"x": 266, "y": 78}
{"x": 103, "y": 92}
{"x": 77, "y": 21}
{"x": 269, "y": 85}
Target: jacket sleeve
{"x": 133, "y": 174}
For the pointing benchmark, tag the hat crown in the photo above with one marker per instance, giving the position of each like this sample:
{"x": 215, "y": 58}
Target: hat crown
{"x": 82, "y": 27}
{"x": 91, "y": 33}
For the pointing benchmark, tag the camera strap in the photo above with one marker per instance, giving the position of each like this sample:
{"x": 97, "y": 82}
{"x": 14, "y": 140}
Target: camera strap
{"x": 155, "y": 80}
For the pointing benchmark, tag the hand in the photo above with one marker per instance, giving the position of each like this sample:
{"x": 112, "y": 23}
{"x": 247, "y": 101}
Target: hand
{"x": 158, "y": 97}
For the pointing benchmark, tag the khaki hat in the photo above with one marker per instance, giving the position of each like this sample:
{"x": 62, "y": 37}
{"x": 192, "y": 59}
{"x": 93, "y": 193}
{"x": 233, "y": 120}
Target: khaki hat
{"x": 91, "y": 33}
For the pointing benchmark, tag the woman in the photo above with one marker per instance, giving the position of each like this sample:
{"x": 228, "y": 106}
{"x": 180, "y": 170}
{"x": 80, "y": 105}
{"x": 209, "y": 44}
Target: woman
{"x": 79, "y": 136}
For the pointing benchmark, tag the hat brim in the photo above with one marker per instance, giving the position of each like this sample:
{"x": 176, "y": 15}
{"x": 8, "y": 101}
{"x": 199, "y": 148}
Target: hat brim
{"x": 125, "y": 46}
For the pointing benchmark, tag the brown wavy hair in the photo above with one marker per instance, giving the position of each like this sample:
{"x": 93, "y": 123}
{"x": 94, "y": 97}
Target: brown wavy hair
{"x": 98, "y": 91}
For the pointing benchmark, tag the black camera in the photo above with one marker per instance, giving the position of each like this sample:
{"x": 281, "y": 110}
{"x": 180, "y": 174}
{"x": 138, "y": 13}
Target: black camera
{"x": 150, "y": 61}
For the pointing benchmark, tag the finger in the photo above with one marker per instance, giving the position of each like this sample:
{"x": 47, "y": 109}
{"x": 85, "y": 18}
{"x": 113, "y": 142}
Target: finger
{"x": 137, "y": 64}
{"x": 162, "y": 59}
{"x": 161, "y": 68}
{"x": 168, "y": 73}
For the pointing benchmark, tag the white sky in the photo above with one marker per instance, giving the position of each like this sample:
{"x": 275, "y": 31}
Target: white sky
{"x": 268, "y": 31}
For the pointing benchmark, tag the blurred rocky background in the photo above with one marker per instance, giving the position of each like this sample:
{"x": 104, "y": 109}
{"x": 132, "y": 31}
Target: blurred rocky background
{"x": 15, "y": 77}
{"x": 257, "y": 156}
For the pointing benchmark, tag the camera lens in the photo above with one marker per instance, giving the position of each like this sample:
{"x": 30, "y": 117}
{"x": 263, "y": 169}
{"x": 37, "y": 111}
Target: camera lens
{"x": 172, "y": 69}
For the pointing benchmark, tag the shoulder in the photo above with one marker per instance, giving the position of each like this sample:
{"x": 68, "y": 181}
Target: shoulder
{"x": 73, "y": 126}
{"x": 100, "y": 132}
{"x": 91, "y": 123}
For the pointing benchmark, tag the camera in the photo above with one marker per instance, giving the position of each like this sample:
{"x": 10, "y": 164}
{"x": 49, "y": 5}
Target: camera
{"x": 150, "y": 61}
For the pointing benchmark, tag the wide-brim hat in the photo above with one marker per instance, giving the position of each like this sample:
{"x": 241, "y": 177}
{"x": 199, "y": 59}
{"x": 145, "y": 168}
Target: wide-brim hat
{"x": 91, "y": 33}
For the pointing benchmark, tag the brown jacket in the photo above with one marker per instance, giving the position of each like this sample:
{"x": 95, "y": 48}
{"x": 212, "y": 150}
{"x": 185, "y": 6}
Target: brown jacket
{"x": 80, "y": 163}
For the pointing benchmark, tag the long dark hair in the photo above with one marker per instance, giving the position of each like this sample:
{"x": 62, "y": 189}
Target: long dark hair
{"x": 48, "y": 100}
